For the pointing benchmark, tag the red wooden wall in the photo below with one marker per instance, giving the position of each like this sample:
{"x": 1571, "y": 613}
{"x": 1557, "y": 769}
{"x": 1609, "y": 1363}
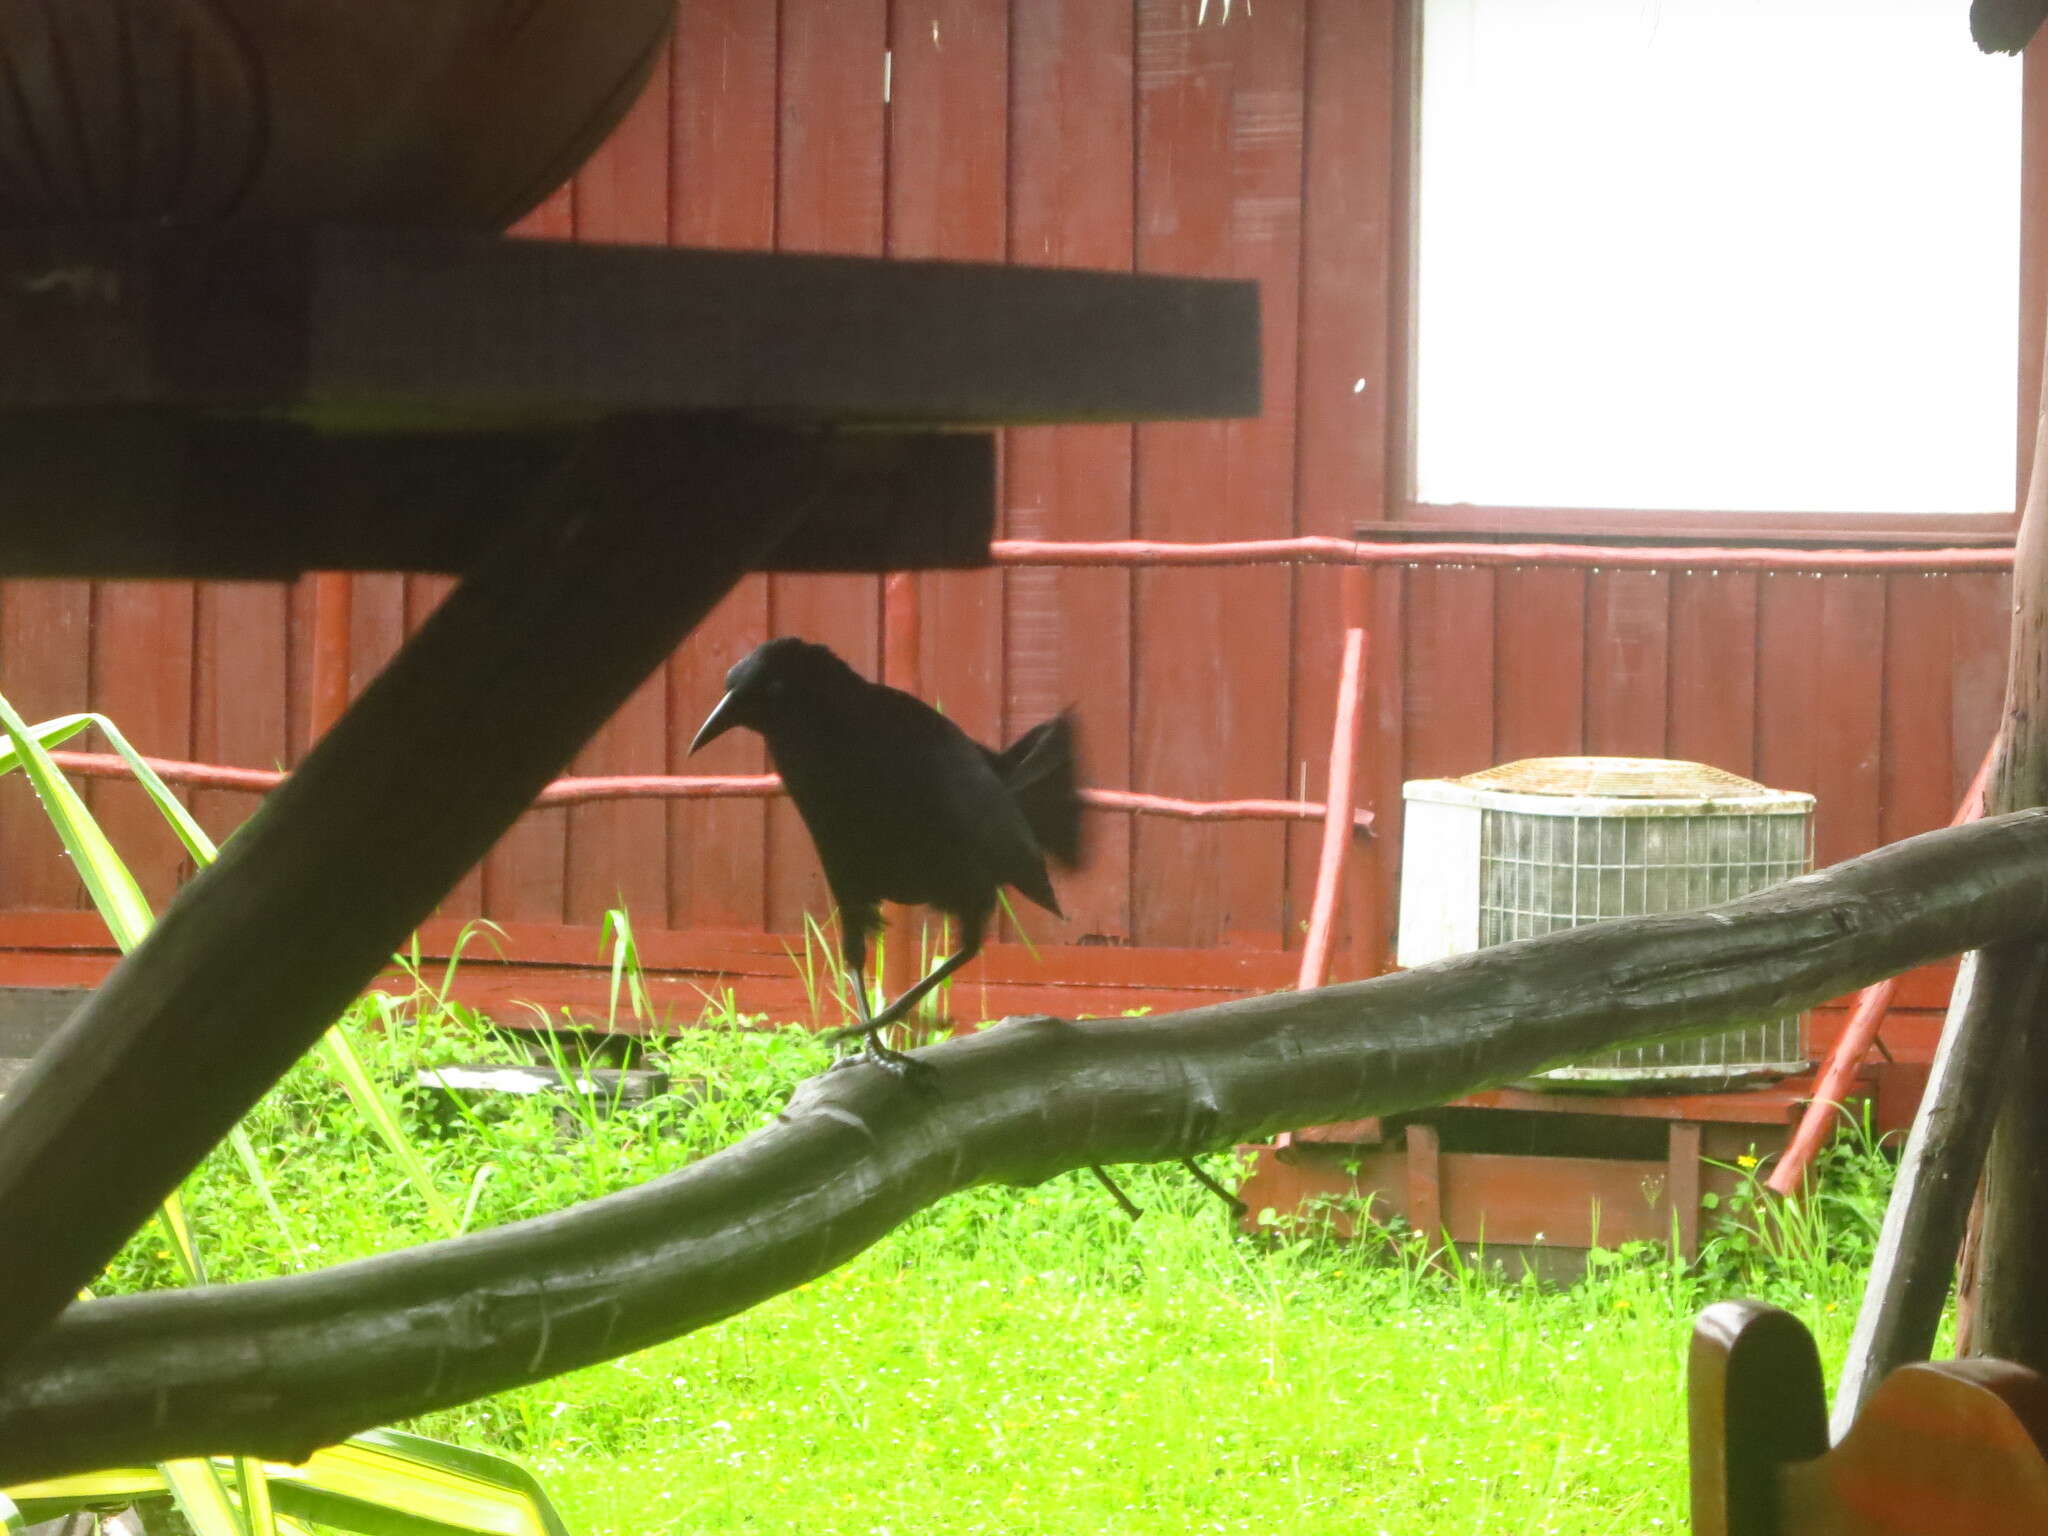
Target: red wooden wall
{"x": 1100, "y": 133}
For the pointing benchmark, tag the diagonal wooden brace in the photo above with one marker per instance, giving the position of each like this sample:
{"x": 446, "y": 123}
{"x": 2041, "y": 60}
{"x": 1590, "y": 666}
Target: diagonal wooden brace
{"x": 609, "y": 563}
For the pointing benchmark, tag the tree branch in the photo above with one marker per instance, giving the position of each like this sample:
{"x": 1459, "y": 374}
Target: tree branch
{"x": 278, "y": 1367}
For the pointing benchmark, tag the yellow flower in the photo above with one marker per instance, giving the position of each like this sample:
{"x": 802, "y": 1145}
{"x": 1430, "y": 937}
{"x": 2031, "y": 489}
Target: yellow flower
{"x": 1745, "y": 1161}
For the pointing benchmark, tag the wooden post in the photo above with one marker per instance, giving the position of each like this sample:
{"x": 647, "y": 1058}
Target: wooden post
{"x": 1930, "y": 1204}
{"x": 2010, "y": 1321}
{"x": 1425, "y": 1185}
{"x": 1993, "y": 1063}
{"x": 583, "y": 597}
{"x": 1682, "y": 1156}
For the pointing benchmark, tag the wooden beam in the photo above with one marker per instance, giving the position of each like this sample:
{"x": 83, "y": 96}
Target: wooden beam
{"x": 584, "y": 596}
{"x": 1424, "y": 1183}
{"x": 413, "y": 329}
{"x": 1682, "y": 1153}
{"x": 140, "y": 492}
{"x": 278, "y": 1367}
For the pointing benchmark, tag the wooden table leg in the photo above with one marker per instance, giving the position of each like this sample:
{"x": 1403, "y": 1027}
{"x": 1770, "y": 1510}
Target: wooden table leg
{"x": 608, "y": 565}
{"x": 1682, "y": 1152}
{"x": 1426, "y": 1186}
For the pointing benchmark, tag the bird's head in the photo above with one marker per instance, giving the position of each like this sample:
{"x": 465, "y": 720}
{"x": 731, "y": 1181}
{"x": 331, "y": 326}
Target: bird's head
{"x": 768, "y": 683}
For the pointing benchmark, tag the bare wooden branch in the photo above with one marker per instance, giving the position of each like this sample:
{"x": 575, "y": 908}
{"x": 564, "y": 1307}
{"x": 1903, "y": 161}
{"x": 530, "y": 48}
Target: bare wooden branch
{"x": 281, "y": 1366}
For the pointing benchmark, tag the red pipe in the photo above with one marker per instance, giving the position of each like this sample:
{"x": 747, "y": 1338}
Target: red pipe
{"x": 902, "y": 622}
{"x": 334, "y": 597}
{"x": 1214, "y": 810}
{"x": 1865, "y": 1019}
{"x": 1337, "y": 822}
{"x": 1324, "y": 550}
{"x": 105, "y": 765}
{"x": 660, "y": 786}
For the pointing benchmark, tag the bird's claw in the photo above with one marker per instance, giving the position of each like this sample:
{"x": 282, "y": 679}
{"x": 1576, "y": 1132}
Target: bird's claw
{"x": 876, "y": 1054}
{"x": 909, "y": 1068}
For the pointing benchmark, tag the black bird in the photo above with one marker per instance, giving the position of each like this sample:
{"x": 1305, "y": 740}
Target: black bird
{"x": 903, "y": 805}
{"x": 2005, "y": 26}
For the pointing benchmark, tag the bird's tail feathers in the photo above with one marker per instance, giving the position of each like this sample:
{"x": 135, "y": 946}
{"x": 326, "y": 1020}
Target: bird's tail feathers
{"x": 1041, "y": 769}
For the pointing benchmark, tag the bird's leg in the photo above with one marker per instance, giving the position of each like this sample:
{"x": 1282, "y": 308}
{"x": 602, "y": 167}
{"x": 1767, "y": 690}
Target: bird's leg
{"x": 853, "y": 964}
{"x": 853, "y": 949}
{"x": 970, "y": 946}
{"x": 1131, "y": 1207}
{"x": 872, "y": 1048}
{"x": 1237, "y": 1206}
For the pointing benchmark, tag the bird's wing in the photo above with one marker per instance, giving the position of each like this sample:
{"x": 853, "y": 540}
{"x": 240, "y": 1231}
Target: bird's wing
{"x": 966, "y": 795}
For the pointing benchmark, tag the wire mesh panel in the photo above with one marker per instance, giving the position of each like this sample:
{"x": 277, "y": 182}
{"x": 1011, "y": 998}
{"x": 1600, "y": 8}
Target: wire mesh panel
{"x": 1561, "y": 842}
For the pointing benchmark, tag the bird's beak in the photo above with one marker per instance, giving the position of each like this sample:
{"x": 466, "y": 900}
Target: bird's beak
{"x": 716, "y": 724}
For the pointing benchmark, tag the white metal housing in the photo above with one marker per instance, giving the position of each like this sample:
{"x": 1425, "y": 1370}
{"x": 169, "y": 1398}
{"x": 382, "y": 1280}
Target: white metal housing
{"x": 1547, "y": 843}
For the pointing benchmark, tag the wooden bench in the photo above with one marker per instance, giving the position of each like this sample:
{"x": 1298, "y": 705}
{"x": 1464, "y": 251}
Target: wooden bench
{"x": 1955, "y": 1448}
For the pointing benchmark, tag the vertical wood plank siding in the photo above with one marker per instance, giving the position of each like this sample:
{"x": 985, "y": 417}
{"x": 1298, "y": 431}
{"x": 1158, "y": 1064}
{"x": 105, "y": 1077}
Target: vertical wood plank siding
{"x": 1267, "y": 142}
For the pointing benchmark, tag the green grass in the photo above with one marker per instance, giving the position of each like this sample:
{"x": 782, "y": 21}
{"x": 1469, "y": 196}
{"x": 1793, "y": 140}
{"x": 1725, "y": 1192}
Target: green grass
{"x": 1029, "y": 1362}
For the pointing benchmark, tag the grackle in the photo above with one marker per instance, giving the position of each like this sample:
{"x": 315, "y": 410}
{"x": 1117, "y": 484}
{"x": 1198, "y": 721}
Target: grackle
{"x": 904, "y": 806}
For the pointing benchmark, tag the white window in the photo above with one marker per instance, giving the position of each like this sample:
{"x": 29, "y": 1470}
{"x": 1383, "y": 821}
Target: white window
{"x": 1715, "y": 255}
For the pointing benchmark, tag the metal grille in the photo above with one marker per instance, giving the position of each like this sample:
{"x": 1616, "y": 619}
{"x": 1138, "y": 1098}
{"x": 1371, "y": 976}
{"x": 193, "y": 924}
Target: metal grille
{"x": 1540, "y": 873}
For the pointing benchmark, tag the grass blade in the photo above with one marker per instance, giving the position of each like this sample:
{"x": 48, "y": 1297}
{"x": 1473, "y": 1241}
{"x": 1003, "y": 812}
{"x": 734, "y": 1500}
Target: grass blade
{"x": 259, "y": 1180}
{"x": 178, "y": 1228}
{"x": 341, "y": 1059}
{"x": 618, "y": 934}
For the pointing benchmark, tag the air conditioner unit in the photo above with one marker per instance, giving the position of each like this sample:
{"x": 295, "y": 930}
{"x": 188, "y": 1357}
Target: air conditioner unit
{"x": 1552, "y": 842}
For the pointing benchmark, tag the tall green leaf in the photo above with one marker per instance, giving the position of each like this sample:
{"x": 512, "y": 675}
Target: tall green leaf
{"x": 382, "y": 1483}
{"x": 202, "y": 1497}
{"x": 400, "y": 1486}
{"x": 114, "y": 892}
{"x": 76, "y": 827}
